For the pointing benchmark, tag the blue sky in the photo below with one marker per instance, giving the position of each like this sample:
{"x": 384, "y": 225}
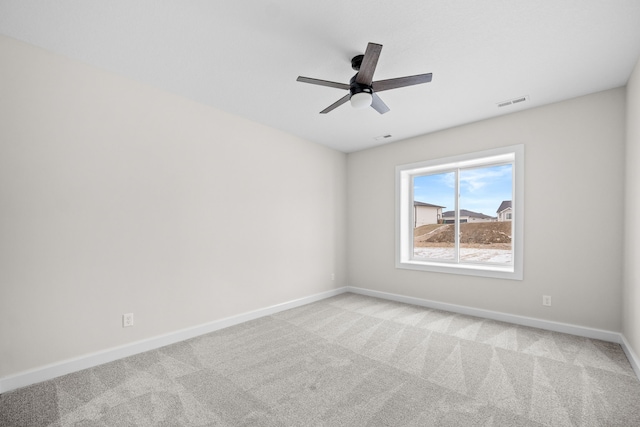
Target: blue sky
{"x": 481, "y": 189}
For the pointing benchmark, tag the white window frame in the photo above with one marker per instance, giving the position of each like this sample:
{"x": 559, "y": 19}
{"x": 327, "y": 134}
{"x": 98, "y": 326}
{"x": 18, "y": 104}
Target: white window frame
{"x": 404, "y": 213}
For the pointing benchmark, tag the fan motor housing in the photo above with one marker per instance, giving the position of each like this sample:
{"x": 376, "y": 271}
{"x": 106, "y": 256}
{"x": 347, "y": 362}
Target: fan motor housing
{"x": 355, "y": 87}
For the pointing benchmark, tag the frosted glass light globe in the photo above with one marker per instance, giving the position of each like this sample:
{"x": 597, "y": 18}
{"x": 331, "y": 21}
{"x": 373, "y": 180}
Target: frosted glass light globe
{"x": 361, "y": 100}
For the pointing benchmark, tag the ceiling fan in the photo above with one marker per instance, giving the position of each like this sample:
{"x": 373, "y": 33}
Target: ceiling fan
{"x": 362, "y": 89}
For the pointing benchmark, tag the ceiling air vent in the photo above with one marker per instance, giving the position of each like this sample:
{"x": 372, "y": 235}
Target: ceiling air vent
{"x": 513, "y": 101}
{"x": 380, "y": 138}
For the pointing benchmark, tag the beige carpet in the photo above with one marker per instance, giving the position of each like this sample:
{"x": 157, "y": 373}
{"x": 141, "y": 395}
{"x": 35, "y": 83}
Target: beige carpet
{"x": 349, "y": 360}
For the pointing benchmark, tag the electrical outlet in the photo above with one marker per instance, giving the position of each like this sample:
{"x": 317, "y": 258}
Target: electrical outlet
{"x": 127, "y": 320}
{"x": 546, "y": 300}
{"x": 333, "y": 276}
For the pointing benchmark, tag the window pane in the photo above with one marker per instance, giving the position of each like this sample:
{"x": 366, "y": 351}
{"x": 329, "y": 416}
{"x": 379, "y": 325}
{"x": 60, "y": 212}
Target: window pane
{"x": 433, "y": 197}
{"x": 490, "y": 183}
{"x": 485, "y": 215}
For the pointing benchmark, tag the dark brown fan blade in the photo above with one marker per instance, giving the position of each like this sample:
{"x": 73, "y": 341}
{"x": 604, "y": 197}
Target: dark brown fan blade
{"x": 323, "y": 82}
{"x": 336, "y": 104}
{"x": 381, "y": 85}
{"x": 378, "y": 105}
{"x": 369, "y": 62}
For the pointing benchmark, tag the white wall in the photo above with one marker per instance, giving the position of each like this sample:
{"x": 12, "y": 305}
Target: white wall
{"x": 631, "y": 313}
{"x": 116, "y": 197}
{"x": 574, "y": 162}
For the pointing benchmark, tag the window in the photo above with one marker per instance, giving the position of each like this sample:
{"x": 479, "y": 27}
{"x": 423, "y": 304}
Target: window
{"x": 480, "y": 204}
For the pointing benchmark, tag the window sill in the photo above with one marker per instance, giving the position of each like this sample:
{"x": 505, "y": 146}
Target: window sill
{"x": 494, "y": 271}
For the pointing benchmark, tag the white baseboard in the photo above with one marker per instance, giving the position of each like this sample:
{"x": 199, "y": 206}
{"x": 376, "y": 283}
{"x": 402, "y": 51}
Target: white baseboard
{"x": 49, "y": 372}
{"x": 495, "y": 315}
{"x": 566, "y": 328}
{"x": 631, "y": 355}
{"x": 55, "y": 370}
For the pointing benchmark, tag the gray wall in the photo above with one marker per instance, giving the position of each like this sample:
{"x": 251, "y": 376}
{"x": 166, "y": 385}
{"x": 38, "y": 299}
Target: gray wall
{"x": 631, "y": 315}
{"x": 574, "y": 167}
{"x": 117, "y": 197}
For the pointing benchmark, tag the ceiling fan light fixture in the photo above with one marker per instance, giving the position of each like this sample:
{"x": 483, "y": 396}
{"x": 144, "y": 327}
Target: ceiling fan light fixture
{"x": 361, "y": 86}
{"x": 361, "y": 100}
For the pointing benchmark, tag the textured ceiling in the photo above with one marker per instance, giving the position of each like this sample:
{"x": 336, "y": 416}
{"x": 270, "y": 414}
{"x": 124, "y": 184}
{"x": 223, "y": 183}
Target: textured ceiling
{"x": 243, "y": 56}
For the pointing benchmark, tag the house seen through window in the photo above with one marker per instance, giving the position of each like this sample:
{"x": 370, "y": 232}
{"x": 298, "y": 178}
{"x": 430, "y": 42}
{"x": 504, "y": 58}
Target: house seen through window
{"x": 458, "y": 214}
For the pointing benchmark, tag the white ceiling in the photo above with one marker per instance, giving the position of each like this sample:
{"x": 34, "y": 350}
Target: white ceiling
{"x": 243, "y": 56}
